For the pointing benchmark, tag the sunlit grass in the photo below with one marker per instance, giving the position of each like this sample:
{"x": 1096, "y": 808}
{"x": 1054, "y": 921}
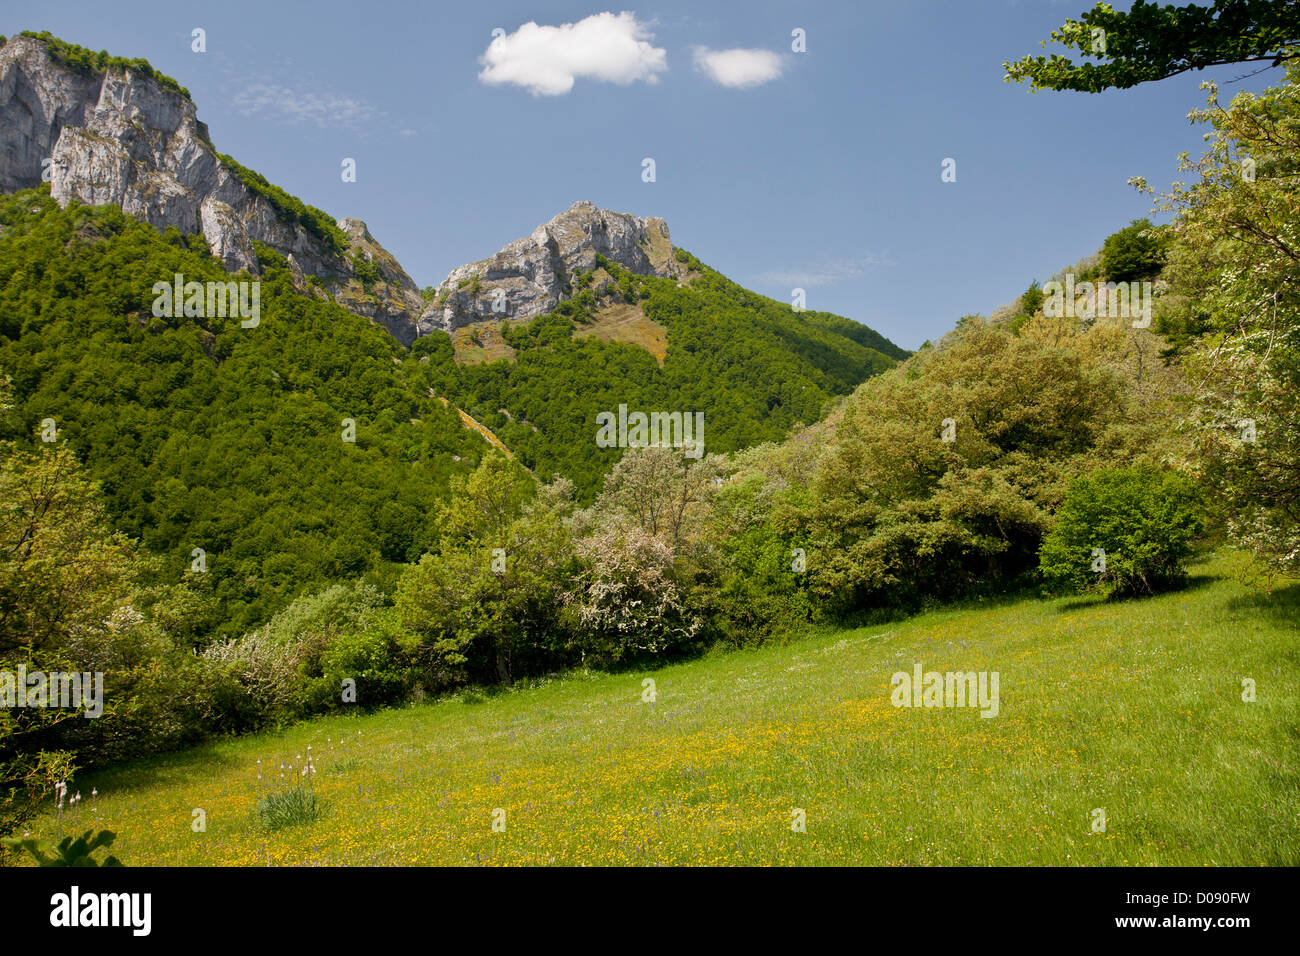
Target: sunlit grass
{"x": 288, "y": 807}
{"x": 1134, "y": 707}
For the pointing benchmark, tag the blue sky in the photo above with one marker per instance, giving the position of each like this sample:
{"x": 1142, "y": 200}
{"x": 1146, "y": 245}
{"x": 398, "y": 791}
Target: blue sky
{"x": 823, "y": 172}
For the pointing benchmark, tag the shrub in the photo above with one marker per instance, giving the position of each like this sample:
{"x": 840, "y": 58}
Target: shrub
{"x": 252, "y": 682}
{"x": 485, "y": 606}
{"x": 899, "y": 516}
{"x": 762, "y": 594}
{"x": 366, "y": 271}
{"x": 1135, "y": 252}
{"x": 87, "y": 61}
{"x": 758, "y": 589}
{"x": 629, "y": 604}
{"x": 325, "y": 614}
{"x": 289, "y": 208}
{"x": 371, "y": 657}
{"x": 1126, "y": 530}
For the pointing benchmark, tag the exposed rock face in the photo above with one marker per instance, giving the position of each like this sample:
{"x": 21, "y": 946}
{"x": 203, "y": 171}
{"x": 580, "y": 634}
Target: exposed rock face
{"x": 227, "y": 237}
{"x": 529, "y": 276}
{"x": 115, "y": 137}
{"x": 394, "y": 300}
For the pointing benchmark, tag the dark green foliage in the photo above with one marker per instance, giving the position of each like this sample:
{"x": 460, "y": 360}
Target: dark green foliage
{"x": 87, "y": 61}
{"x": 1151, "y": 42}
{"x": 1032, "y": 299}
{"x": 761, "y": 589}
{"x": 1135, "y": 252}
{"x": 484, "y": 605}
{"x": 369, "y": 654}
{"x": 752, "y": 365}
{"x": 366, "y": 271}
{"x": 692, "y": 263}
{"x": 69, "y": 852}
{"x": 208, "y": 435}
{"x": 1144, "y": 520}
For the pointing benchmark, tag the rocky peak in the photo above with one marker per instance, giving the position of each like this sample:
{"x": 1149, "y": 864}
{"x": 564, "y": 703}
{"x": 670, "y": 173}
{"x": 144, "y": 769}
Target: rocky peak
{"x": 531, "y": 275}
{"x": 123, "y": 137}
{"x": 356, "y": 230}
{"x": 387, "y": 293}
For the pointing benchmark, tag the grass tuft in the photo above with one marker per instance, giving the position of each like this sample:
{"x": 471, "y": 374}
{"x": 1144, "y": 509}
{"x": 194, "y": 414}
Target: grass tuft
{"x": 292, "y": 806}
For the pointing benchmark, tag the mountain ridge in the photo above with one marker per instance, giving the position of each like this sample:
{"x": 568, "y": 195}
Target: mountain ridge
{"x": 533, "y": 274}
{"x": 591, "y": 310}
{"x": 107, "y": 130}
{"x": 117, "y": 134}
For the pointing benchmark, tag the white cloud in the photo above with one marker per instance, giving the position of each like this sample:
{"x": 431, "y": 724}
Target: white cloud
{"x": 546, "y": 60}
{"x": 739, "y": 68}
{"x": 828, "y": 273}
{"x": 297, "y": 106}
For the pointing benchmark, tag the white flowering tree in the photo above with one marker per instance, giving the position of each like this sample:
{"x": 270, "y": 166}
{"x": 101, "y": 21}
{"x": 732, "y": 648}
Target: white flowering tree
{"x": 1236, "y": 261}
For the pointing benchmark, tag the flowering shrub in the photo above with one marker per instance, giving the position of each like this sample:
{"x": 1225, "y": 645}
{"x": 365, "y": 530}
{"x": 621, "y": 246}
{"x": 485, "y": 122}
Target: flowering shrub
{"x": 629, "y": 603}
{"x": 253, "y": 681}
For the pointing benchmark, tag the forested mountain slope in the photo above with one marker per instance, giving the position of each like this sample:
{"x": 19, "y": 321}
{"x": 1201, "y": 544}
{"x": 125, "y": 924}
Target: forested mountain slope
{"x": 312, "y": 446}
{"x": 206, "y": 434}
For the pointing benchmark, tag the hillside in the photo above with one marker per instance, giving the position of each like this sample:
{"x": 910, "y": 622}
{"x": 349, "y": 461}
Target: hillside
{"x": 208, "y": 435}
{"x": 1103, "y": 705}
{"x": 106, "y": 130}
{"x": 751, "y": 365}
{"x": 205, "y": 434}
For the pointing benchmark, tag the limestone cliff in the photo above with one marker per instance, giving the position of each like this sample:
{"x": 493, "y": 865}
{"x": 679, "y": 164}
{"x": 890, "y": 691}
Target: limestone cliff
{"x": 530, "y": 275}
{"x": 120, "y": 136}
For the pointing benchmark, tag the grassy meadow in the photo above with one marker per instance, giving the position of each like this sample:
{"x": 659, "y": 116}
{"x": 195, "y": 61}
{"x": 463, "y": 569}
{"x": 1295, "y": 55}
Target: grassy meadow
{"x": 1134, "y": 707}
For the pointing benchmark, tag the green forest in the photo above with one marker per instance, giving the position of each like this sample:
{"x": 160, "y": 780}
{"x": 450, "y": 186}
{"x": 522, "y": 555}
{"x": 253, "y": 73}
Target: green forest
{"x": 751, "y": 365}
{"x": 204, "y": 434}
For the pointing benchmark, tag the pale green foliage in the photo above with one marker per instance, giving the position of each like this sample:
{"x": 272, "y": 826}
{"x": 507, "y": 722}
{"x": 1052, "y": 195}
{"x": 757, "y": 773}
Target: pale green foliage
{"x": 62, "y": 571}
{"x": 1236, "y": 265}
{"x": 662, "y": 492}
{"x": 490, "y": 591}
{"x": 898, "y": 515}
{"x": 253, "y": 679}
{"x": 65, "y": 580}
{"x": 263, "y": 676}
{"x": 326, "y": 613}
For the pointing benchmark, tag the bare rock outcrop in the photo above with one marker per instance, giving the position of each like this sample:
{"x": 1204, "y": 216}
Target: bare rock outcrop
{"x": 531, "y": 275}
{"x": 117, "y": 136}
